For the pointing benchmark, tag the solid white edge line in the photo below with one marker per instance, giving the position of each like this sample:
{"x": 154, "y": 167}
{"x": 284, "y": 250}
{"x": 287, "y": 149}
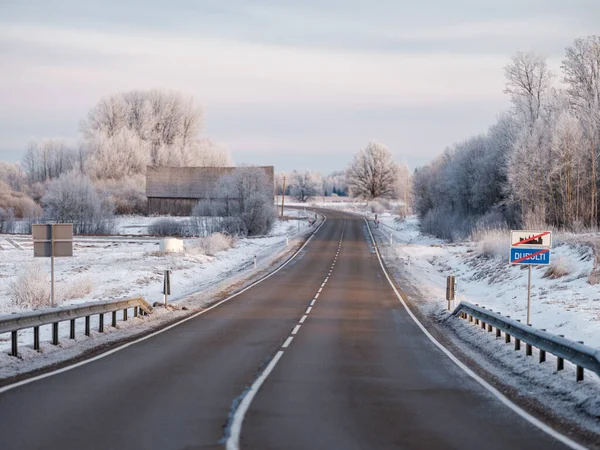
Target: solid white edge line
{"x": 303, "y": 319}
{"x": 162, "y": 330}
{"x": 236, "y": 425}
{"x": 287, "y": 342}
{"x": 296, "y": 328}
{"x": 521, "y": 412}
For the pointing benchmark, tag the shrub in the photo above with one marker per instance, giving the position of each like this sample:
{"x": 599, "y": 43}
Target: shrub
{"x": 72, "y": 198}
{"x": 128, "y": 194}
{"x": 76, "y": 289}
{"x": 31, "y": 289}
{"x": 376, "y": 207}
{"x": 216, "y": 242}
{"x": 493, "y": 243}
{"x": 168, "y": 227}
{"x": 558, "y": 268}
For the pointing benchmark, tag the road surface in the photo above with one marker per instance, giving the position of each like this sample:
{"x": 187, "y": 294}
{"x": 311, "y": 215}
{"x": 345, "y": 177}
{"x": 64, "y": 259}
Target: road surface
{"x": 356, "y": 373}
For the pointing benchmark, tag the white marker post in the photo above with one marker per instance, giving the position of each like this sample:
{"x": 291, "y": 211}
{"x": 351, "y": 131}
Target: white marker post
{"x": 255, "y": 261}
{"x": 391, "y": 239}
{"x": 167, "y": 286}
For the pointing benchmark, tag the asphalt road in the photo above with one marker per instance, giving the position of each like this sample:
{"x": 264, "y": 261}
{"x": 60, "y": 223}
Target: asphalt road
{"x": 356, "y": 373}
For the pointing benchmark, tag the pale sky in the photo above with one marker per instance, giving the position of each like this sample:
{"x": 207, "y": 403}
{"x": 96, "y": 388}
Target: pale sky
{"x": 298, "y": 84}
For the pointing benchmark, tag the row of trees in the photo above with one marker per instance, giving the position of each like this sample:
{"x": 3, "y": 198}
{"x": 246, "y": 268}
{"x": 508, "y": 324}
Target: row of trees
{"x": 121, "y": 136}
{"x": 304, "y": 185}
{"x": 371, "y": 174}
{"x": 537, "y": 165}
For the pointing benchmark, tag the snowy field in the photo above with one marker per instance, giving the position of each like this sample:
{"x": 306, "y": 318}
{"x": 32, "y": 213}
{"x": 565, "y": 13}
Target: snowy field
{"x": 105, "y": 268}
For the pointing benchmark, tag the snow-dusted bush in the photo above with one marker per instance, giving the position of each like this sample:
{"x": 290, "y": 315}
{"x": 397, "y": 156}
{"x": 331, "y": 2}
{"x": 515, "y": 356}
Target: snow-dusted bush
{"x": 76, "y": 289}
{"x": 168, "y": 227}
{"x": 214, "y": 243}
{"x": 72, "y": 198}
{"x": 17, "y": 202}
{"x": 31, "y": 289}
{"x": 493, "y": 243}
{"x": 558, "y": 268}
{"x": 376, "y": 207}
{"x": 128, "y": 194}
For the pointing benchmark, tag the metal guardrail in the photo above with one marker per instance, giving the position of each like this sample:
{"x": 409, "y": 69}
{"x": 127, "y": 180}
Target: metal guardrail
{"x": 12, "y": 323}
{"x": 582, "y": 356}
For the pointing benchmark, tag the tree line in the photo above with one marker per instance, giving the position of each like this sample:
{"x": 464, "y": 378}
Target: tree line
{"x": 536, "y": 166}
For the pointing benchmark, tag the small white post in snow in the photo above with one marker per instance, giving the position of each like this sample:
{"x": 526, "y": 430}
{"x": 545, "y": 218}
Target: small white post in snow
{"x": 255, "y": 261}
{"x": 287, "y": 240}
{"x": 391, "y": 239}
{"x": 409, "y": 263}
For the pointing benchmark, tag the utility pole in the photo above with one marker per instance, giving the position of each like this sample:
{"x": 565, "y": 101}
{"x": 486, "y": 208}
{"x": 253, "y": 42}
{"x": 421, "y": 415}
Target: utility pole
{"x": 283, "y": 196}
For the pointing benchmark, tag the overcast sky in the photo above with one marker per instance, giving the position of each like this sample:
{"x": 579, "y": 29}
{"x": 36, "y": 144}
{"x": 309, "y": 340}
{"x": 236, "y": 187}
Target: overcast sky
{"x": 299, "y": 84}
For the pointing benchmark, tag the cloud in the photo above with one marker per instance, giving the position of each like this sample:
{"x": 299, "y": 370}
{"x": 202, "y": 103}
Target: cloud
{"x": 221, "y": 70}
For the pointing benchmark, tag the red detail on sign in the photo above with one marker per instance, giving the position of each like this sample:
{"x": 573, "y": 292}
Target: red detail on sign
{"x": 532, "y": 238}
{"x": 517, "y": 261}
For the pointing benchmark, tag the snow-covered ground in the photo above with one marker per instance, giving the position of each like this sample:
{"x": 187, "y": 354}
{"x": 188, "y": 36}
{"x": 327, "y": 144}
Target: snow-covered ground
{"x": 567, "y": 305}
{"x": 104, "y": 268}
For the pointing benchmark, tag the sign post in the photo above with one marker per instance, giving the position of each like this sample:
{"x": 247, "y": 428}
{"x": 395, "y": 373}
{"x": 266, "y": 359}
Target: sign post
{"x": 530, "y": 248}
{"x": 52, "y": 240}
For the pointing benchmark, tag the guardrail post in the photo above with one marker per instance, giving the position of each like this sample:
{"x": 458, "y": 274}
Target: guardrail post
{"x": 72, "y": 330}
{"x": 87, "y": 325}
{"x": 542, "y": 352}
{"x": 135, "y": 311}
{"x": 114, "y": 319}
{"x": 490, "y": 328}
{"x": 36, "y": 338}
{"x": 14, "y": 351}
{"x": 580, "y": 369}
{"x": 517, "y": 341}
{"x": 560, "y": 363}
{"x": 125, "y": 315}
{"x": 55, "y": 333}
{"x": 482, "y": 325}
{"x": 101, "y": 322}
{"x": 470, "y": 318}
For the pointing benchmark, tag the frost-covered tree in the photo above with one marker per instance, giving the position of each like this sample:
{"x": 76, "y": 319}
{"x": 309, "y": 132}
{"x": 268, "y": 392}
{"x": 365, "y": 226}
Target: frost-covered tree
{"x": 528, "y": 81}
{"x": 304, "y": 185}
{"x": 126, "y": 132}
{"x": 247, "y": 195}
{"x": 581, "y": 68}
{"x": 372, "y": 172}
{"x": 48, "y": 159}
{"x": 72, "y": 198}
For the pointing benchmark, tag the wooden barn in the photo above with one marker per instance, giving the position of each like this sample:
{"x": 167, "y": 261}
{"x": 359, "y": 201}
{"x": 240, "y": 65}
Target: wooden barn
{"x": 176, "y": 190}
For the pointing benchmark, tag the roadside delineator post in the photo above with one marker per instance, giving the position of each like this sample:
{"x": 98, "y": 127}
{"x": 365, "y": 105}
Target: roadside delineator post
{"x": 255, "y": 261}
{"x": 167, "y": 286}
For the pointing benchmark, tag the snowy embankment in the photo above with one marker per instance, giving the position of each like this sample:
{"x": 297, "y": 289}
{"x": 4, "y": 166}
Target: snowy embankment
{"x": 562, "y": 299}
{"x": 563, "y": 302}
{"x": 117, "y": 267}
